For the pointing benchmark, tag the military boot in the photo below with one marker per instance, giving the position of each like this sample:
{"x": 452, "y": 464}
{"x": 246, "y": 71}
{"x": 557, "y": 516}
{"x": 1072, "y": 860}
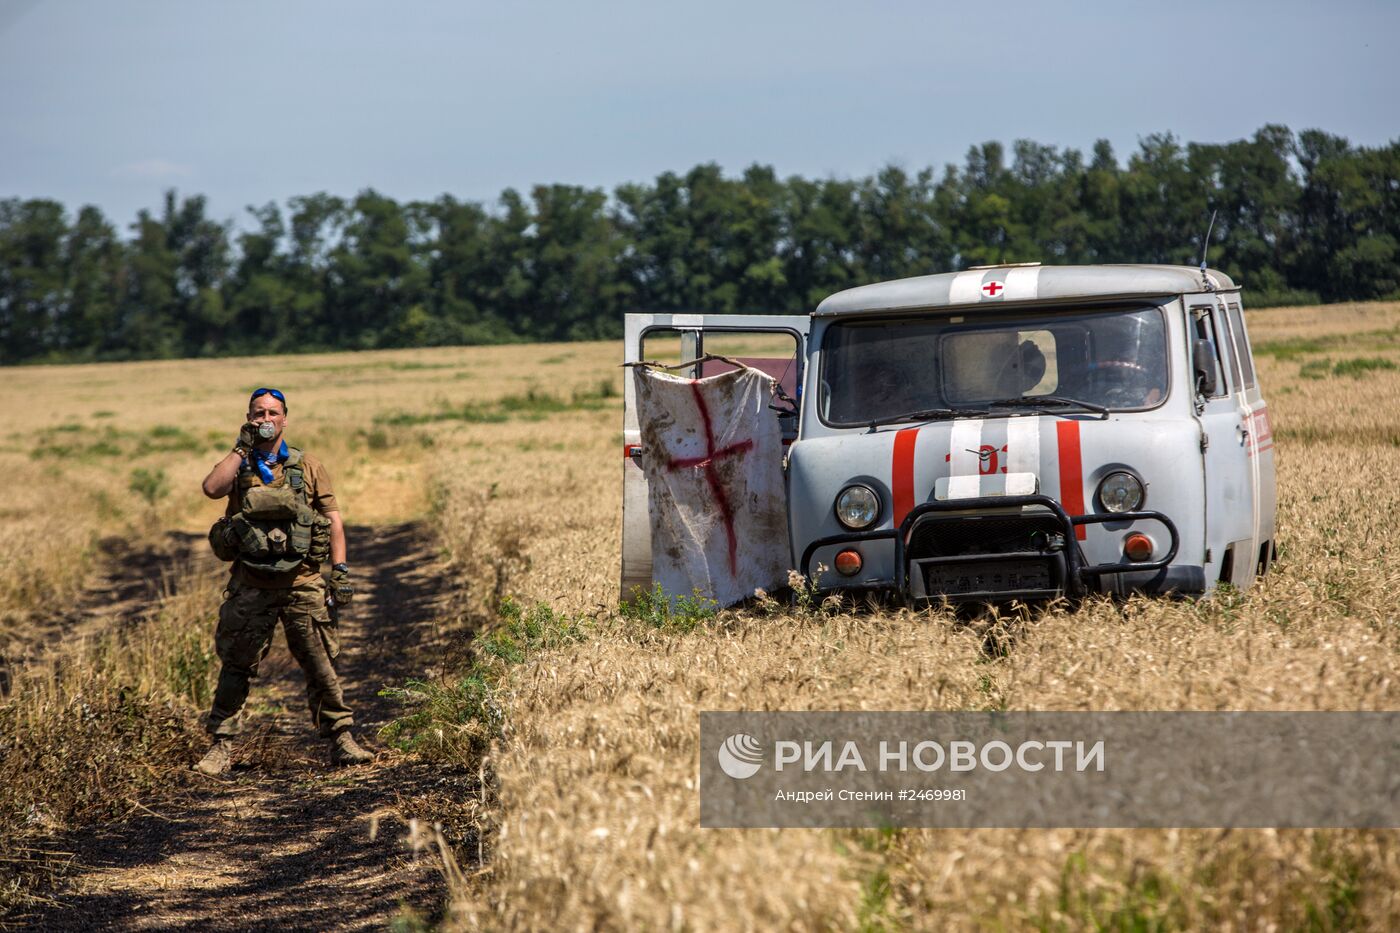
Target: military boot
{"x": 217, "y": 760}
{"x": 346, "y": 751}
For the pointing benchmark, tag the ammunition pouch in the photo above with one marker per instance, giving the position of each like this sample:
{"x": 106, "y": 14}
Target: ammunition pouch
{"x": 273, "y": 545}
{"x": 320, "y": 550}
{"x": 270, "y": 503}
{"x": 223, "y": 540}
{"x": 275, "y": 525}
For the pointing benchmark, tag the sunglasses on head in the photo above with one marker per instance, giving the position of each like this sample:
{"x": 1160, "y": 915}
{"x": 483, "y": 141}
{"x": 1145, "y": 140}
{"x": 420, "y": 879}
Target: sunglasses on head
{"x": 272, "y": 392}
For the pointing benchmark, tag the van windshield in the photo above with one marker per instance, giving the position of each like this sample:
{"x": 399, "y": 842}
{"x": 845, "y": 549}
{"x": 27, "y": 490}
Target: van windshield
{"x": 876, "y": 370}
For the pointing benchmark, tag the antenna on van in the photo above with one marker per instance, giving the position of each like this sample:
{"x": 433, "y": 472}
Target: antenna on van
{"x": 1205, "y": 248}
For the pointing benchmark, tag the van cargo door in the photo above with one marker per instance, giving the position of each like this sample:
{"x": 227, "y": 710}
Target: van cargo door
{"x": 775, "y": 344}
{"x": 1259, "y": 438}
{"x": 1231, "y": 481}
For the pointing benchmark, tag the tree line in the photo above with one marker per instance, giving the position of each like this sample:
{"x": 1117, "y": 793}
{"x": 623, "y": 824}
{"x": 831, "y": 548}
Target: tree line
{"x": 1301, "y": 218}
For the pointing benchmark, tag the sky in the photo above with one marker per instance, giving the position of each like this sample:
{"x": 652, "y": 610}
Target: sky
{"x": 112, "y": 103}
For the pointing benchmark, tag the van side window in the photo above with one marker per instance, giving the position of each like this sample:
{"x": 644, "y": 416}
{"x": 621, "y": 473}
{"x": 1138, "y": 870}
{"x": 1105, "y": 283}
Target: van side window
{"x": 1200, "y": 315}
{"x": 1227, "y": 343}
{"x": 1242, "y": 342}
{"x": 772, "y": 352}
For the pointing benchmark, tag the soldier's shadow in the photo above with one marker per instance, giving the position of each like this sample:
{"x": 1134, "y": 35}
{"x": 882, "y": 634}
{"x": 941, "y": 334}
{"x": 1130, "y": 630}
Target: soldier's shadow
{"x": 389, "y": 629}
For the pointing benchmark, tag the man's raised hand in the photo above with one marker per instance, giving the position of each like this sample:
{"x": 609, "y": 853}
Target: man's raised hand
{"x": 247, "y": 438}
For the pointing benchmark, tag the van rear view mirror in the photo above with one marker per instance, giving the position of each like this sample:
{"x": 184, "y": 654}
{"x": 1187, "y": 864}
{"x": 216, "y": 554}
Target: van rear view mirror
{"x": 1203, "y": 358}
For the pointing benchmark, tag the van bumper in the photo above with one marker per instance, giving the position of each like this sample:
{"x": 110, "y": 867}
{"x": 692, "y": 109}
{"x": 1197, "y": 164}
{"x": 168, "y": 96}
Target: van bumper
{"x": 1056, "y": 567}
{"x": 1169, "y": 581}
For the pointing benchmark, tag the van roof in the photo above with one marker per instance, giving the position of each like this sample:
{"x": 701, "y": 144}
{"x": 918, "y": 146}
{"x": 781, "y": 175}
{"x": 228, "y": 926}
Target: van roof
{"x": 986, "y": 287}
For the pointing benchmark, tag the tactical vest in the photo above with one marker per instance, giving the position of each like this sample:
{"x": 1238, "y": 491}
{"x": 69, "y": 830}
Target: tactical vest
{"x": 274, "y": 522}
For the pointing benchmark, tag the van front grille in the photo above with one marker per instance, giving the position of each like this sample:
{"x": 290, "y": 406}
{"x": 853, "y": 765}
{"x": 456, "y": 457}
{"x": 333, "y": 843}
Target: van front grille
{"x": 953, "y": 536}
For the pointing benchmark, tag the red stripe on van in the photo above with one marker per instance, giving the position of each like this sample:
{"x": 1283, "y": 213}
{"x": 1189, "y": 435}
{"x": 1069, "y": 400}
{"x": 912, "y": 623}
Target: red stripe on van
{"x": 1071, "y": 471}
{"x": 902, "y": 473}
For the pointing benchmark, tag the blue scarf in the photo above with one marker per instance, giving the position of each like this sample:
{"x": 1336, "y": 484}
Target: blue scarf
{"x": 263, "y": 459}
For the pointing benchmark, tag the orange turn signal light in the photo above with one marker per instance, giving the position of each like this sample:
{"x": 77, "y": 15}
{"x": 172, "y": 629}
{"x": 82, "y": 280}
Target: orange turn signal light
{"x": 848, "y": 563}
{"x": 1137, "y": 546}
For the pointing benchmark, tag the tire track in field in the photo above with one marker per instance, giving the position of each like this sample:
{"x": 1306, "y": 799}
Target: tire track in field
{"x": 283, "y": 841}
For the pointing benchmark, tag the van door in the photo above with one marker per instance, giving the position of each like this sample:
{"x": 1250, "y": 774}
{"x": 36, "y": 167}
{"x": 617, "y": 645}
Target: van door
{"x": 775, "y": 344}
{"x": 1259, "y": 443}
{"x": 1230, "y": 483}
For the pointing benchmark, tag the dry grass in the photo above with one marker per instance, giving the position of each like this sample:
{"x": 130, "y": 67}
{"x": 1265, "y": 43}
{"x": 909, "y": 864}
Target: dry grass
{"x": 1272, "y": 327}
{"x": 597, "y": 759}
{"x": 382, "y": 421}
{"x": 100, "y": 723}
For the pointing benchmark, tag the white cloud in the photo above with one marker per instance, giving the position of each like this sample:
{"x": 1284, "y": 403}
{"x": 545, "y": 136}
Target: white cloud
{"x": 152, "y": 168}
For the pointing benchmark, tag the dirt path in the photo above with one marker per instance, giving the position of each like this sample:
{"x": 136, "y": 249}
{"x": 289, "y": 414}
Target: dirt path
{"x": 284, "y": 842}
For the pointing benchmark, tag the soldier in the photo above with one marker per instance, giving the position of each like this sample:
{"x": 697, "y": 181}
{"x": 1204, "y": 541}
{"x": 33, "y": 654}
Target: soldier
{"x": 281, "y": 523}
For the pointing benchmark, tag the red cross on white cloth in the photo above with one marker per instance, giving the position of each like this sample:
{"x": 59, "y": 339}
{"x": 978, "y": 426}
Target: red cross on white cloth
{"x": 706, "y": 462}
{"x": 993, "y": 289}
{"x": 712, "y": 455}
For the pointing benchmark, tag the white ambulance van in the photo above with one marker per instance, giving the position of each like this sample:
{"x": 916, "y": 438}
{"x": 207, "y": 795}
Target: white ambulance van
{"x": 1003, "y": 433}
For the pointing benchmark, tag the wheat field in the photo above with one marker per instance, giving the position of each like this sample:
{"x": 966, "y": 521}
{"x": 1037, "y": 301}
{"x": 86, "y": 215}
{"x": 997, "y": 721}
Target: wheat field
{"x": 513, "y": 455}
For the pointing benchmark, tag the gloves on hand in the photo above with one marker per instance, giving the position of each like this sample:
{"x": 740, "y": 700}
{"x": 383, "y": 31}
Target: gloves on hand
{"x": 247, "y": 437}
{"x": 340, "y": 585}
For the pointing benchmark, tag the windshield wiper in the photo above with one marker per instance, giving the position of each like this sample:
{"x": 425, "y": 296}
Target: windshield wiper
{"x": 1049, "y": 401}
{"x": 928, "y": 414}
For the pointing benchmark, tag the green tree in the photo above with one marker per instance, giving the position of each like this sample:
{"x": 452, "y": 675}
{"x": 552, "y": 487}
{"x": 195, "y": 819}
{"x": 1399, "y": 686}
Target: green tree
{"x": 1164, "y": 207}
{"x": 904, "y": 225}
{"x": 202, "y": 264}
{"x": 32, "y": 292}
{"x": 460, "y": 276}
{"x": 316, "y": 224}
{"x": 94, "y": 267}
{"x": 1349, "y": 204}
{"x": 1100, "y": 194}
{"x": 1300, "y": 216}
{"x": 261, "y": 290}
{"x": 374, "y": 281}
{"x": 573, "y": 248}
{"x": 148, "y": 322}
{"x": 657, "y": 233}
{"x": 819, "y": 256}
{"x": 1254, "y": 191}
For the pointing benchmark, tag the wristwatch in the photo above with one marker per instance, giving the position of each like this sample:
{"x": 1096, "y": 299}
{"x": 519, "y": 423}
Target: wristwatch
{"x": 341, "y": 567}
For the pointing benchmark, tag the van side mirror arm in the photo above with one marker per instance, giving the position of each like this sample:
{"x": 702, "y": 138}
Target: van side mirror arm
{"x": 1203, "y": 360}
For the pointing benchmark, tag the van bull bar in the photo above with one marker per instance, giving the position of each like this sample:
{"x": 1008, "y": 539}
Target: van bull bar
{"x": 1055, "y": 568}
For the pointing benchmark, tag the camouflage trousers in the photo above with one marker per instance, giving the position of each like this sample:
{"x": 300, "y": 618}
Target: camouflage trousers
{"x": 247, "y": 621}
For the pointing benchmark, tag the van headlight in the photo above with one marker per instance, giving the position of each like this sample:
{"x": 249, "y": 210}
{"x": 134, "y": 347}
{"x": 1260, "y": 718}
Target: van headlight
{"x": 857, "y": 507}
{"x": 1120, "y": 492}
